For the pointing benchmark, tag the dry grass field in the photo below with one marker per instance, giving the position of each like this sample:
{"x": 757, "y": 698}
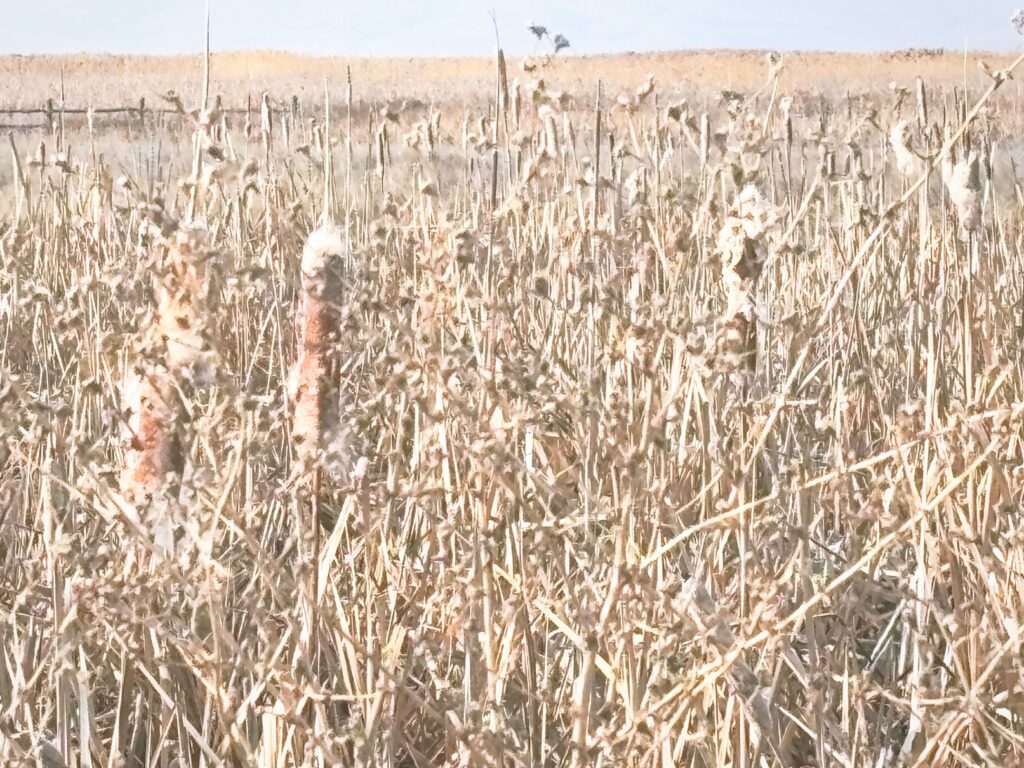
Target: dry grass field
{"x": 105, "y": 80}
{"x": 487, "y": 418}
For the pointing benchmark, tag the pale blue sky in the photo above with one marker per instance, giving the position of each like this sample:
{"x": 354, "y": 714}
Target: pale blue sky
{"x": 463, "y": 27}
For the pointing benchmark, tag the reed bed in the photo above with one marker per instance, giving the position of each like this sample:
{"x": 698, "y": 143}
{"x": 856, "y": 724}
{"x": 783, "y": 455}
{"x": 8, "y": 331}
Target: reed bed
{"x": 594, "y": 428}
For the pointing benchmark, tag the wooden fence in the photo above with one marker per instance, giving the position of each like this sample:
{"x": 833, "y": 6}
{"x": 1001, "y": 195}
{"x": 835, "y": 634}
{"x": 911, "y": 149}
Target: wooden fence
{"x": 53, "y": 111}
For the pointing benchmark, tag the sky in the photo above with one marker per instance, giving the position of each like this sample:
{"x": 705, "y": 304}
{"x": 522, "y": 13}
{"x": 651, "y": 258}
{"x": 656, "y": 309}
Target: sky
{"x": 464, "y": 27}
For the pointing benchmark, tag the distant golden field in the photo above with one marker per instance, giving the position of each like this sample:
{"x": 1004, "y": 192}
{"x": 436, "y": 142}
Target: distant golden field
{"x": 28, "y": 80}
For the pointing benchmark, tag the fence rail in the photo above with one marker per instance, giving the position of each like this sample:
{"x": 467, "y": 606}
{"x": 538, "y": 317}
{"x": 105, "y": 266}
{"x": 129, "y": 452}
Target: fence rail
{"x": 57, "y": 111}
{"x": 53, "y": 110}
{"x": 14, "y": 119}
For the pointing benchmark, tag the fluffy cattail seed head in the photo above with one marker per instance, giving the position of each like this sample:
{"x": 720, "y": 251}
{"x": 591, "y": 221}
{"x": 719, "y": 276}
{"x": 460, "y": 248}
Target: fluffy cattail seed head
{"x": 182, "y": 287}
{"x": 313, "y": 382}
{"x": 963, "y": 182}
{"x": 908, "y": 162}
{"x": 151, "y": 450}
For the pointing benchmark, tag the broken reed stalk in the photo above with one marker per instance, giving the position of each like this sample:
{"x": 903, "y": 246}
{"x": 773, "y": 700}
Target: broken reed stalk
{"x": 203, "y": 124}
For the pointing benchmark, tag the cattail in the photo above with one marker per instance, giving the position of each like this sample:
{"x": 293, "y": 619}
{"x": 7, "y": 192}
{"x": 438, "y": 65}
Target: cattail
{"x": 963, "y": 182}
{"x": 908, "y": 161}
{"x": 266, "y": 124}
{"x": 568, "y": 134}
{"x": 922, "y": 104}
{"x": 645, "y": 89}
{"x": 786, "y": 107}
{"x": 51, "y": 116}
{"x": 313, "y": 390}
{"x": 635, "y": 186}
{"x": 433, "y": 128}
{"x": 517, "y": 100}
{"x": 151, "y": 446}
{"x": 97, "y": 209}
{"x": 319, "y": 134}
{"x": 212, "y": 120}
{"x": 266, "y": 116}
{"x": 502, "y": 82}
{"x": 550, "y": 144}
{"x": 743, "y": 253}
{"x": 181, "y": 296}
{"x": 538, "y": 92}
{"x": 172, "y": 355}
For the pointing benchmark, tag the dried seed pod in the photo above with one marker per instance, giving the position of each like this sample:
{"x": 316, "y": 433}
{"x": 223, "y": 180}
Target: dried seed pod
{"x": 550, "y": 135}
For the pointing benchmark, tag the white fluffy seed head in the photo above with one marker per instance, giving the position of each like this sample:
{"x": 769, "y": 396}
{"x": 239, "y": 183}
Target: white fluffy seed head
{"x": 907, "y": 161}
{"x": 963, "y": 182}
{"x": 323, "y": 244}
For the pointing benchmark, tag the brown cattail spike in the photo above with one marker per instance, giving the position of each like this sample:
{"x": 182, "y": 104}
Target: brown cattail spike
{"x": 172, "y": 355}
{"x": 313, "y": 385}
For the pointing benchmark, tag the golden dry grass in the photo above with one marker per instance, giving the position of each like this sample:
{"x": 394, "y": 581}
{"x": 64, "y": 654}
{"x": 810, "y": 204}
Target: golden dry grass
{"x": 29, "y": 80}
{"x": 684, "y": 429}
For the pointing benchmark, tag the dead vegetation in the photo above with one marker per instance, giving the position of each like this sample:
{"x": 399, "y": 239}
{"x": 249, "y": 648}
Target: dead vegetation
{"x": 577, "y": 429}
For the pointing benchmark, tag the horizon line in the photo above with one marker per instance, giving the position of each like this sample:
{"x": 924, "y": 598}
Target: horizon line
{"x": 923, "y": 51}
